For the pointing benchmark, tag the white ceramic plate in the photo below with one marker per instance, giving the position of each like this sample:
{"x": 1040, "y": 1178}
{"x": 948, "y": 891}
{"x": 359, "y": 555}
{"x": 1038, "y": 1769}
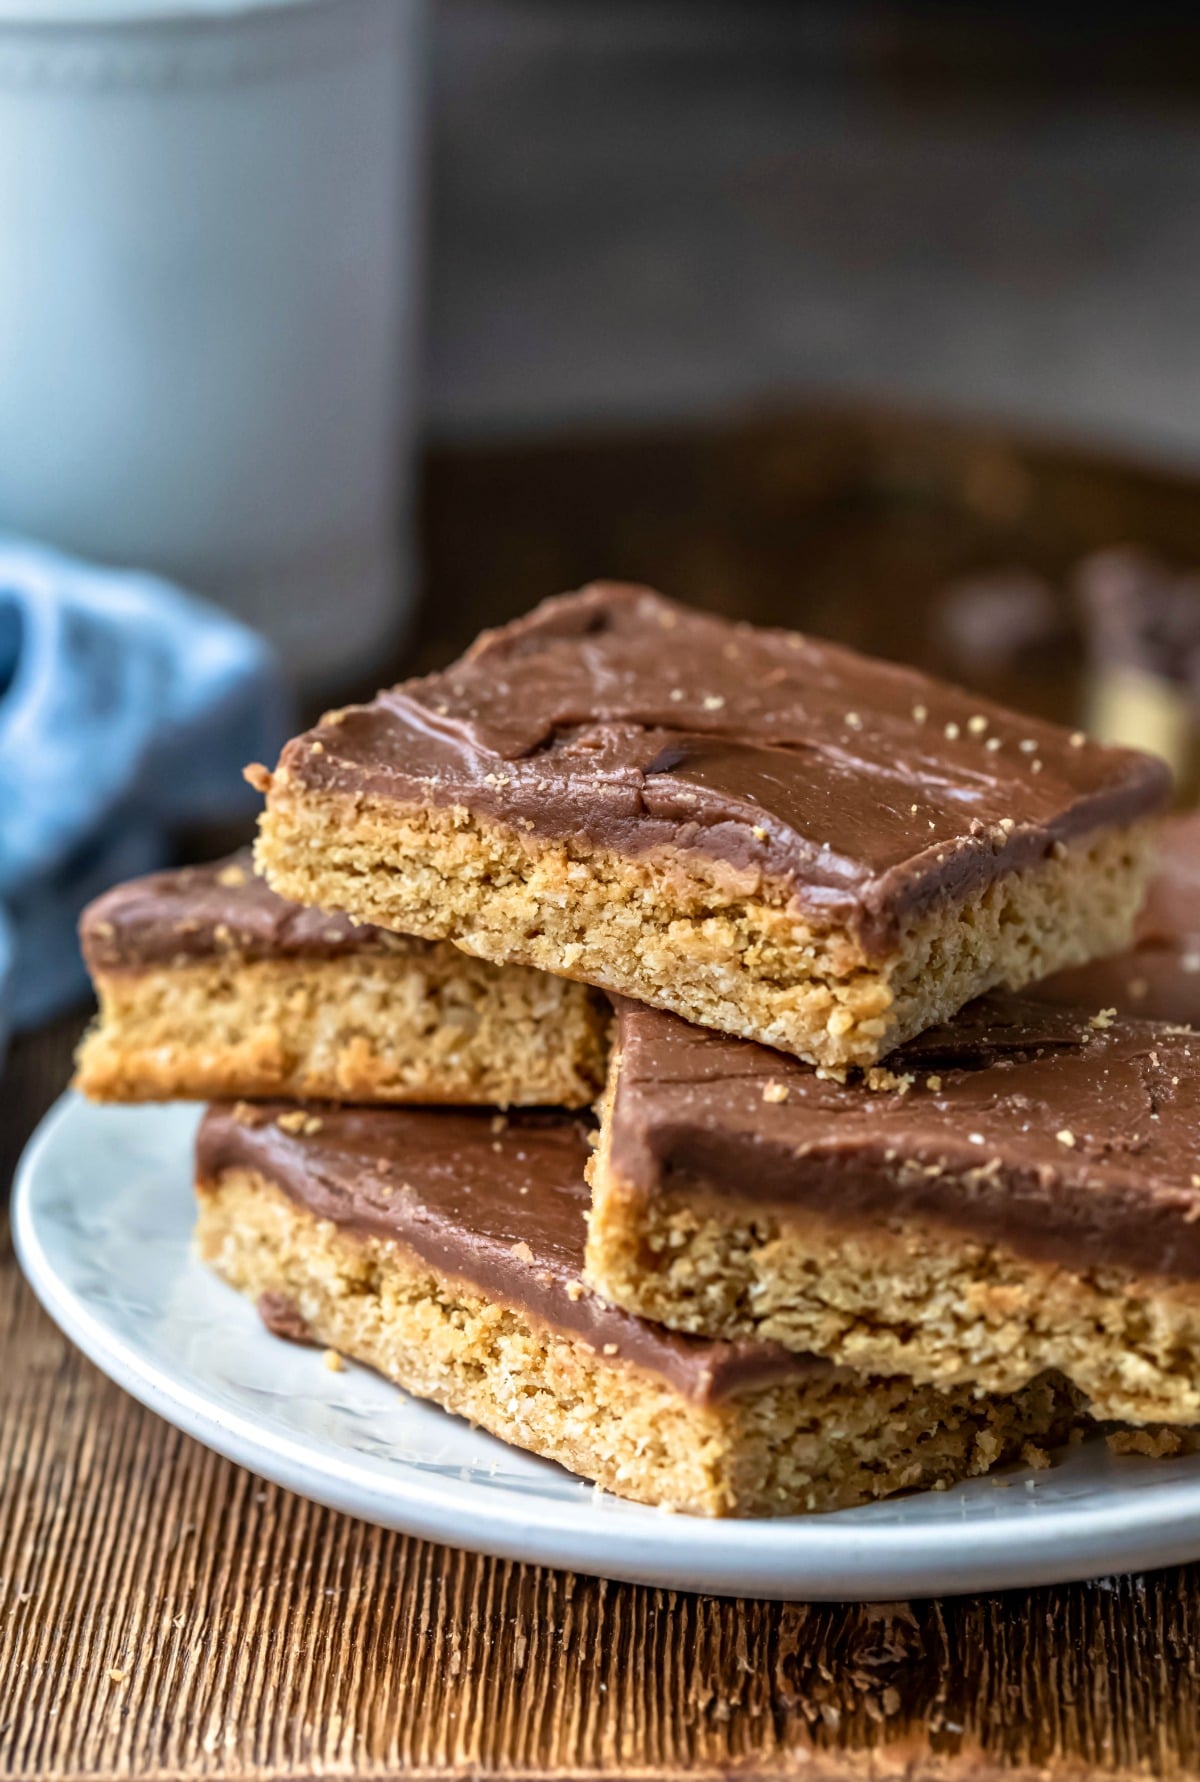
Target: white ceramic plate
{"x": 102, "y": 1217}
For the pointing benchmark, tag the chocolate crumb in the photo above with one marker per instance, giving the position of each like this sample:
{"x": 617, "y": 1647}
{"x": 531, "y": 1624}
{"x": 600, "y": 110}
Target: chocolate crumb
{"x": 283, "y": 1317}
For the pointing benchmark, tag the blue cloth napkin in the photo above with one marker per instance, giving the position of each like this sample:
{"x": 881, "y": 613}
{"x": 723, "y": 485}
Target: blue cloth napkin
{"x": 127, "y": 709}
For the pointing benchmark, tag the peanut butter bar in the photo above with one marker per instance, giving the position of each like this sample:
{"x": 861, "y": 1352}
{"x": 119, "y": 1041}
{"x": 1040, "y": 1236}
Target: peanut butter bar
{"x": 445, "y": 1249}
{"x": 771, "y": 836}
{"x": 1016, "y": 1191}
{"x": 211, "y": 985}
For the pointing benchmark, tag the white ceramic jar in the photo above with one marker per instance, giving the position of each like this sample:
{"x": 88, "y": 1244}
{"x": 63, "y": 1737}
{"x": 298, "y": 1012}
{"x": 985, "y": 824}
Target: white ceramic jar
{"x": 209, "y": 263}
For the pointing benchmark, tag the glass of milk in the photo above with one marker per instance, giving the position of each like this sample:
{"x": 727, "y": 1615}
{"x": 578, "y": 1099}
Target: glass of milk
{"x": 210, "y": 217}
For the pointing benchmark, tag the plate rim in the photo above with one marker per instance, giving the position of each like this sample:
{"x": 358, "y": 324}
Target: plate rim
{"x": 817, "y": 1558}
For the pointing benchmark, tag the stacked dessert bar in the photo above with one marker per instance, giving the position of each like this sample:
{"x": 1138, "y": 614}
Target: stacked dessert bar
{"x": 850, "y": 1216}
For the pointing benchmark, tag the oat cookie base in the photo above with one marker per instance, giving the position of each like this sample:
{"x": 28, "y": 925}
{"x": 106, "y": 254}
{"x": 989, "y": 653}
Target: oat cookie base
{"x": 685, "y": 932}
{"x": 424, "y": 1025}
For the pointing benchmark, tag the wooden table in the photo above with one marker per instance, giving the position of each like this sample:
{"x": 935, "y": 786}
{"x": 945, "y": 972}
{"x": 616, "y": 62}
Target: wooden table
{"x": 164, "y": 1614}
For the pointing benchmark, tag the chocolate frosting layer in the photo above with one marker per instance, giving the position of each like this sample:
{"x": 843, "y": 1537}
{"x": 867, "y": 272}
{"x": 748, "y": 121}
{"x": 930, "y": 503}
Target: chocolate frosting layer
{"x": 495, "y": 1201}
{"x": 633, "y": 723}
{"x": 1022, "y": 1125}
{"x": 199, "y": 911}
{"x": 1158, "y": 979}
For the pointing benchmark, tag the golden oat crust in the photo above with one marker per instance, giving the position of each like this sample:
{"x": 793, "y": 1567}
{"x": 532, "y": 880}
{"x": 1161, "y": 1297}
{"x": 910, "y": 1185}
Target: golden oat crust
{"x": 425, "y": 1024}
{"x": 681, "y": 931}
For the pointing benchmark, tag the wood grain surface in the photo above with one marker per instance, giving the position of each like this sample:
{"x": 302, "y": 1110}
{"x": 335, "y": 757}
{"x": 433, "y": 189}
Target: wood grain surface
{"x": 164, "y": 1614}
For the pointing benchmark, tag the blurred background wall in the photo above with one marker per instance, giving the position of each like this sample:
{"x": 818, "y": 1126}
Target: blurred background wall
{"x": 662, "y": 207}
